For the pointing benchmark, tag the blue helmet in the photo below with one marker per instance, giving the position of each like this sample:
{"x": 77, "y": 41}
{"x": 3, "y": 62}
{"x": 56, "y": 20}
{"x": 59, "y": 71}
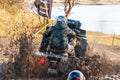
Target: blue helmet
{"x": 62, "y": 19}
{"x": 76, "y": 75}
{"x": 61, "y": 22}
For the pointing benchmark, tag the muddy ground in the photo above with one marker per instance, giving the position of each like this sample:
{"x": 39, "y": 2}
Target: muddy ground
{"x": 109, "y": 61}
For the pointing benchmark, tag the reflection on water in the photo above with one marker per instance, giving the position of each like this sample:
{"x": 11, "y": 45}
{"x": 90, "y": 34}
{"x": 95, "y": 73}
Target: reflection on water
{"x": 99, "y": 18}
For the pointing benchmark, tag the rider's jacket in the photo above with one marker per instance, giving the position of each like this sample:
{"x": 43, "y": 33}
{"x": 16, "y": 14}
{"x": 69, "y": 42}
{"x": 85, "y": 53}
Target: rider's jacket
{"x": 59, "y": 35}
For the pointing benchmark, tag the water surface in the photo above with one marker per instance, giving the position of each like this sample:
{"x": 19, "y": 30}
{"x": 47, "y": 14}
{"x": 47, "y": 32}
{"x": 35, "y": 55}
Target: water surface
{"x": 99, "y": 18}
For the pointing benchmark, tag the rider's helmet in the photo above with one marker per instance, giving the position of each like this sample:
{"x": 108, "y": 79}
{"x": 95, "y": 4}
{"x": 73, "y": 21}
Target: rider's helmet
{"x": 76, "y": 75}
{"x": 62, "y": 19}
{"x": 61, "y": 22}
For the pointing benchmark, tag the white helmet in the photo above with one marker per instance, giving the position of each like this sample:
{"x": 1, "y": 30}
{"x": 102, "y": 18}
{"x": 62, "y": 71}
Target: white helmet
{"x": 76, "y": 75}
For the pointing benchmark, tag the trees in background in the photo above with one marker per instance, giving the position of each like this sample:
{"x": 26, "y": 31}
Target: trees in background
{"x": 68, "y": 5}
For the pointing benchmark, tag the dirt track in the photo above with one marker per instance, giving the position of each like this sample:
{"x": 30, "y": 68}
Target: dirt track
{"x": 112, "y": 54}
{"x": 109, "y": 55}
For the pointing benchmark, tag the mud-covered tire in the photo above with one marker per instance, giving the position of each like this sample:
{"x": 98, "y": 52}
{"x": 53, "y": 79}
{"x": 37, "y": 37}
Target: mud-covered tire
{"x": 81, "y": 49}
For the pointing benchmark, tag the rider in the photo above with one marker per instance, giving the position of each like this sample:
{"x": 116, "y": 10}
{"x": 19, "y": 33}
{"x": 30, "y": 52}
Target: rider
{"x": 59, "y": 37}
{"x": 76, "y": 75}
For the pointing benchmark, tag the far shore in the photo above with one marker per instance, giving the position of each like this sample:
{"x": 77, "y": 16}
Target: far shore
{"x": 88, "y": 3}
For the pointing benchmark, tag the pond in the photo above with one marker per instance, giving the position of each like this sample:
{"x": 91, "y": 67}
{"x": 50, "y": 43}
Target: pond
{"x": 98, "y": 18}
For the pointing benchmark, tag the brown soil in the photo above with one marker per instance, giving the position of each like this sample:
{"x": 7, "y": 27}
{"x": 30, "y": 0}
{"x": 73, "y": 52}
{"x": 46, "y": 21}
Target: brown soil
{"x": 109, "y": 57}
{"x": 111, "y": 53}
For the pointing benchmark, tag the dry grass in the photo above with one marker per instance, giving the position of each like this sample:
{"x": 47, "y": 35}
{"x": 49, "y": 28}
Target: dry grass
{"x": 105, "y": 39}
{"x": 19, "y": 29}
{"x": 21, "y": 21}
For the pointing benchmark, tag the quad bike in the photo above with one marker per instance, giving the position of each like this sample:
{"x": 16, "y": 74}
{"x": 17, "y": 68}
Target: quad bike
{"x": 58, "y": 63}
{"x": 81, "y": 49}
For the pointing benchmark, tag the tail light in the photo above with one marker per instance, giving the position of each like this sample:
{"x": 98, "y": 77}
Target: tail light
{"x": 41, "y": 60}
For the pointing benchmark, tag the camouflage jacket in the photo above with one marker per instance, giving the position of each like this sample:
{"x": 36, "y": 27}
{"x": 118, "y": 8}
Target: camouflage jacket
{"x": 59, "y": 35}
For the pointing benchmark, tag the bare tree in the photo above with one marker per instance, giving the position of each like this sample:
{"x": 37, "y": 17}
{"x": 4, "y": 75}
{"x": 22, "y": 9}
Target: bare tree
{"x": 69, "y": 4}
